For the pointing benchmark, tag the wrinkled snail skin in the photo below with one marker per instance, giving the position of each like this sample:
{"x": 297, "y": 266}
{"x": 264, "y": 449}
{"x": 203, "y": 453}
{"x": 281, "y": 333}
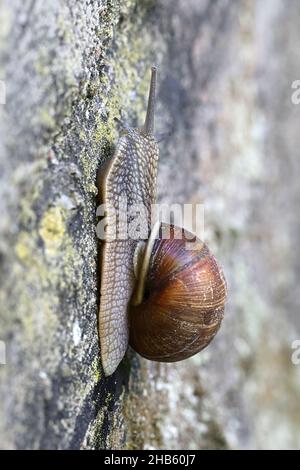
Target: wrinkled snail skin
{"x": 183, "y": 300}
{"x": 131, "y": 174}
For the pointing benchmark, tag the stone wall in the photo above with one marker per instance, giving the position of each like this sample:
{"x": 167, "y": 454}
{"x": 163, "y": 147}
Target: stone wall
{"x": 225, "y": 74}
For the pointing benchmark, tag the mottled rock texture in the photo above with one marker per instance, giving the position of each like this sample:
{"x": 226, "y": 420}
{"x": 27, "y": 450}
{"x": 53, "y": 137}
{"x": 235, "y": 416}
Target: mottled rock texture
{"x": 225, "y": 74}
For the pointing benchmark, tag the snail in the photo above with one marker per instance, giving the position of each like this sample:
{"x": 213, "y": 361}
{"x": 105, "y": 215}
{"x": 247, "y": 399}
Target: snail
{"x": 163, "y": 299}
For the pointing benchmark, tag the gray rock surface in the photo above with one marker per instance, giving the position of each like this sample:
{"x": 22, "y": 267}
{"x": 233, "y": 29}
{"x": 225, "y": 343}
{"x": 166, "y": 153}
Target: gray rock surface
{"x": 225, "y": 74}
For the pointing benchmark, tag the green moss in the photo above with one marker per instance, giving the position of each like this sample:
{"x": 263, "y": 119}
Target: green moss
{"x": 52, "y": 229}
{"x": 95, "y": 369}
{"x": 35, "y": 277}
{"x": 24, "y": 247}
{"x": 64, "y": 264}
{"x": 46, "y": 119}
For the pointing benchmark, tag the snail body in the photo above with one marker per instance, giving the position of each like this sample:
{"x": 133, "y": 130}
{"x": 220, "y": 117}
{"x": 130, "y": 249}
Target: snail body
{"x": 164, "y": 298}
{"x": 131, "y": 175}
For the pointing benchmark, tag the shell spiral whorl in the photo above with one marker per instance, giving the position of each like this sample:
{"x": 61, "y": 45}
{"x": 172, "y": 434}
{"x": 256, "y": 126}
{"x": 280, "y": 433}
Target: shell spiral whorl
{"x": 183, "y": 302}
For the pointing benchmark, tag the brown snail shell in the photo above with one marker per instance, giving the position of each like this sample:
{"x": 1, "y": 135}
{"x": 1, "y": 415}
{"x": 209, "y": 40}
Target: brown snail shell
{"x": 183, "y": 297}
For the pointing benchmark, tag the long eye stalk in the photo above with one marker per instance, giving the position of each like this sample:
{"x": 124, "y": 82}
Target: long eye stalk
{"x": 149, "y": 121}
